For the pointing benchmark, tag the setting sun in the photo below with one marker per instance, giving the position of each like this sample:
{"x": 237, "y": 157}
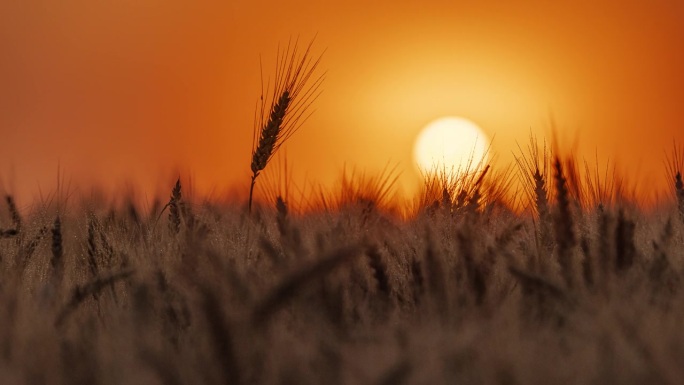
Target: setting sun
{"x": 452, "y": 144}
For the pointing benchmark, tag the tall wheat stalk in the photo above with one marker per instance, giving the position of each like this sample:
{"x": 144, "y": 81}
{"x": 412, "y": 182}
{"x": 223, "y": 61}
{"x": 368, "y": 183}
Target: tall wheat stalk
{"x": 57, "y": 260}
{"x": 534, "y": 164}
{"x": 174, "y": 207}
{"x": 563, "y": 224}
{"x": 14, "y": 213}
{"x": 292, "y": 95}
{"x": 675, "y": 168}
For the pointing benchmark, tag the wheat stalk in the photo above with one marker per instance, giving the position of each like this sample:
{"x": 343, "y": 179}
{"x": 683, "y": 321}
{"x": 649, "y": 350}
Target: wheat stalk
{"x": 675, "y": 168}
{"x": 474, "y": 203}
{"x": 290, "y": 101}
{"x": 563, "y": 225}
{"x": 679, "y": 187}
{"x": 534, "y": 166}
{"x": 57, "y": 260}
{"x": 14, "y": 213}
{"x": 174, "y": 207}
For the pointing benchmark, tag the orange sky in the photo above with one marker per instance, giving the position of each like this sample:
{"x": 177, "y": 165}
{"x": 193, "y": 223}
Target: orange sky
{"x": 131, "y": 90}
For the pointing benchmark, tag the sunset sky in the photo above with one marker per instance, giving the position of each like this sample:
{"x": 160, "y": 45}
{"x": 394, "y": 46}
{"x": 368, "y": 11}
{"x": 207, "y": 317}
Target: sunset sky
{"x": 134, "y": 91}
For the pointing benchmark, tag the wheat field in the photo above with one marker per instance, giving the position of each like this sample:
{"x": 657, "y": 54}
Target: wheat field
{"x": 464, "y": 290}
{"x": 545, "y": 272}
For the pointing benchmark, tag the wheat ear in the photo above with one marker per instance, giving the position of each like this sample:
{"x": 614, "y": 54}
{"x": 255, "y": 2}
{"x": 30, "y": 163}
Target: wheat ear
{"x": 14, "y": 213}
{"x": 174, "y": 207}
{"x": 534, "y": 165}
{"x": 675, "y": 167}
{"x": 290, "y": 101}
{"x": 563, "y": 225}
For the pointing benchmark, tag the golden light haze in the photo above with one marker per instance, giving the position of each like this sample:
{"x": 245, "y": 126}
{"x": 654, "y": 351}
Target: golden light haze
{"x": 116, "y": 91}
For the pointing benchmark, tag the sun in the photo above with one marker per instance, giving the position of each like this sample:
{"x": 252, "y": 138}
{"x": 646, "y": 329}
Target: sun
{"x": 452, "y": 144}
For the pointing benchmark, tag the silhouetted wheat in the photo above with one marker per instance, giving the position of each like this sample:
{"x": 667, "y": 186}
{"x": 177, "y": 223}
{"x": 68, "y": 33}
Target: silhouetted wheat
{"x": 174, "y": 207}
{"x": 675, "y": 170}
{"x": 679, "y": 187}
{"x": 564, "y": 226}
{"x": 458, "y": 295}
{"x": 474, "y": 202}
{"x": 534, "y": 166}
{"x": 290, "y": 101}
{"x": 14, "y": 213}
